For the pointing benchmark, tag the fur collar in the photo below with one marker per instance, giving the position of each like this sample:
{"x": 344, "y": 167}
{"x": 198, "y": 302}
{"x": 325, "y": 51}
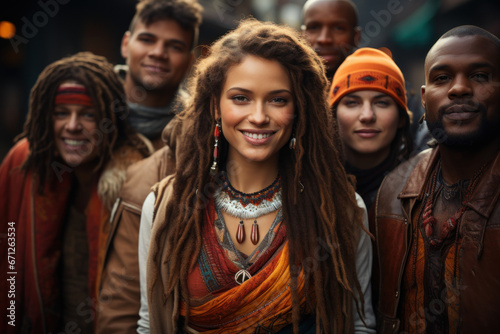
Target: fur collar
{"x": 114, "y": 174}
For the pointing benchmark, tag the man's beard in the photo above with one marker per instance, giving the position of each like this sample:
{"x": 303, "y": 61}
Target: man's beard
{"x": 150, "y": 85}
{"x": 487, "y": 130}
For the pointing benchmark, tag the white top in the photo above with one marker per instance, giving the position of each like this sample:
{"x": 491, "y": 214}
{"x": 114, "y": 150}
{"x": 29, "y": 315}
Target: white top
{"x": 364, "y": 260}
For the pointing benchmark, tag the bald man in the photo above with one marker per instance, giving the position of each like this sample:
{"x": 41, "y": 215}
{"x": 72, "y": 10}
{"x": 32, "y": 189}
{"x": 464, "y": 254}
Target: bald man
{"x": 437, "y": 222}
{"x": 331, "y": 27}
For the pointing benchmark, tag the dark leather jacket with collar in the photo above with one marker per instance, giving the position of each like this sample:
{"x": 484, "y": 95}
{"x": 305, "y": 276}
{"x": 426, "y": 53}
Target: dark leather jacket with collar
{"x": 479, "y": 255}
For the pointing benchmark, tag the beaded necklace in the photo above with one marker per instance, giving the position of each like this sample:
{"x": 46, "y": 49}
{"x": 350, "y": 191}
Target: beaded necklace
{"x": 429, "y": 221}
{"x": 248, "y": 206}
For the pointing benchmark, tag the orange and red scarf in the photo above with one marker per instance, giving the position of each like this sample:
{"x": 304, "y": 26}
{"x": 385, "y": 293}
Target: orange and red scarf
{"x": 220, "y": 304}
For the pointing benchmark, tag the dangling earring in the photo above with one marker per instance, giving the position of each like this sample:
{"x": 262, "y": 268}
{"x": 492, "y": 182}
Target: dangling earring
{"x": 214, "y": 169}
{"x": 293, "y": 141}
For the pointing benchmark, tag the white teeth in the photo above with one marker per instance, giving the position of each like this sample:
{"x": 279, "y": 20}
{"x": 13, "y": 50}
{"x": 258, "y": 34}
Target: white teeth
{"x": 257, "y": 136}
{"x": 75, "y": 142}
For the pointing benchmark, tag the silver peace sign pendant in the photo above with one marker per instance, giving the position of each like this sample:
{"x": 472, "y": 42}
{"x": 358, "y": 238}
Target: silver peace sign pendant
{"x": 241, "y": 276}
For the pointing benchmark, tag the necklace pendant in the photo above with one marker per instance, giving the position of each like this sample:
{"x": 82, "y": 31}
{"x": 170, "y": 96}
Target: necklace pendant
{"x": 242, "y": 276}
{"x": 254, "y": 236}
{"x": 428, "y": 230}
{"x": 240, "y": 233}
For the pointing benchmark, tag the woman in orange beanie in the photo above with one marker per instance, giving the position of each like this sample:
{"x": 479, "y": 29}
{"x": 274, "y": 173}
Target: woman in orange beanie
{"x": 368, "y": 97}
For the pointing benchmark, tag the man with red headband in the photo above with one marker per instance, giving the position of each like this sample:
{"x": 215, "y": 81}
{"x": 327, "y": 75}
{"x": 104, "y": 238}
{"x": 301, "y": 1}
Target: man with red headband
{"x": 58, "y": 185}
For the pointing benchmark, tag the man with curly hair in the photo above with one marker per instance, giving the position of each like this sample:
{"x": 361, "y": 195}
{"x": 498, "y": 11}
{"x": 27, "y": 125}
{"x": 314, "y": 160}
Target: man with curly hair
{"x": 158, "y": 48}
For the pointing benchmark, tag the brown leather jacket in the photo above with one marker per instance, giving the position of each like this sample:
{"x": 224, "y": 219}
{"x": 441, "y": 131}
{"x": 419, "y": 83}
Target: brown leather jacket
{"x": 120, "y": 297}
{"x": 479, "y": 255}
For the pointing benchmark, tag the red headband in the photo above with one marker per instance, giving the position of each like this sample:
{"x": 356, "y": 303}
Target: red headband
{"x": 76, "y": 94}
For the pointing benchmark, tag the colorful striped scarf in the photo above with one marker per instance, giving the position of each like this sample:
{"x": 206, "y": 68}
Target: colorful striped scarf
{"x": 218, "y": 304}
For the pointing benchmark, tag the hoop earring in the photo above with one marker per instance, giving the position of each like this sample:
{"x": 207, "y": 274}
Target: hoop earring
{"x": 214, "y": 169}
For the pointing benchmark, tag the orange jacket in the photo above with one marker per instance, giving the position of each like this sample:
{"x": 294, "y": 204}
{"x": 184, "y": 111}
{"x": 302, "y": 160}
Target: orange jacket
{"x": 31, "y": 249}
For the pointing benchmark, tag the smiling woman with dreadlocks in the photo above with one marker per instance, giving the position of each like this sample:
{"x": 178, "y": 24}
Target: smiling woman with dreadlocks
{"x": 259, "y": 230}
{"x": 58, "y": 184}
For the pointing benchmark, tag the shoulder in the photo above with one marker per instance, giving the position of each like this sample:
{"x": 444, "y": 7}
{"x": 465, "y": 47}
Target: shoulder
{"x": 142, "y": 175}
{"x": 164, "y": 189}
{"x": 17, "y": 154}
{"x": 405, "y": 181}
{"x": 399, "y": 175}
{"x": 362, "y": 205}
{"x": 172, "y": 131}
{"x": 113, "y": 176}
{"x": 13, "y": 182}
{"x": 160, "y": 196}
{"x": 10, "y": 169}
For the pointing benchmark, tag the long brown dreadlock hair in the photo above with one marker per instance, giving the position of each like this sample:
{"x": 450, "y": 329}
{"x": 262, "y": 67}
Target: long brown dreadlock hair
{"x": 324, "y": 213}
{"x": 108, "y": 97}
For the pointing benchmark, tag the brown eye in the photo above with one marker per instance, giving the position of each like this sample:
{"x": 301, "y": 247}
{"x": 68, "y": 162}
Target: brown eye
{"x": 312, "y": 27}
{"x": 60, "y": 113}
{"x": 481, "y": 77}
{"x": 383, "y": 103}
{"x": 279, "y": 100}
{"x": 239, "y": 98}
{"x": 350, "y": 102}
{"x": 441, "y": 78}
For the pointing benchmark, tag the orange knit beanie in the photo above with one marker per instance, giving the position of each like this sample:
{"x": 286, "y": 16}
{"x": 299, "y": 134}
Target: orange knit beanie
{"x": 371, "y": 69}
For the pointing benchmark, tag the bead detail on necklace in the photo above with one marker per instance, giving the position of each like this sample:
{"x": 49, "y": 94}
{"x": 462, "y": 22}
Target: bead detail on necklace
{"x": 248, "y": 206}
{"x": 240, "y": 233}
{"x": 450, "y": 192}
{"x": 254, "y": 236}
{"x": 429, "y": 221}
